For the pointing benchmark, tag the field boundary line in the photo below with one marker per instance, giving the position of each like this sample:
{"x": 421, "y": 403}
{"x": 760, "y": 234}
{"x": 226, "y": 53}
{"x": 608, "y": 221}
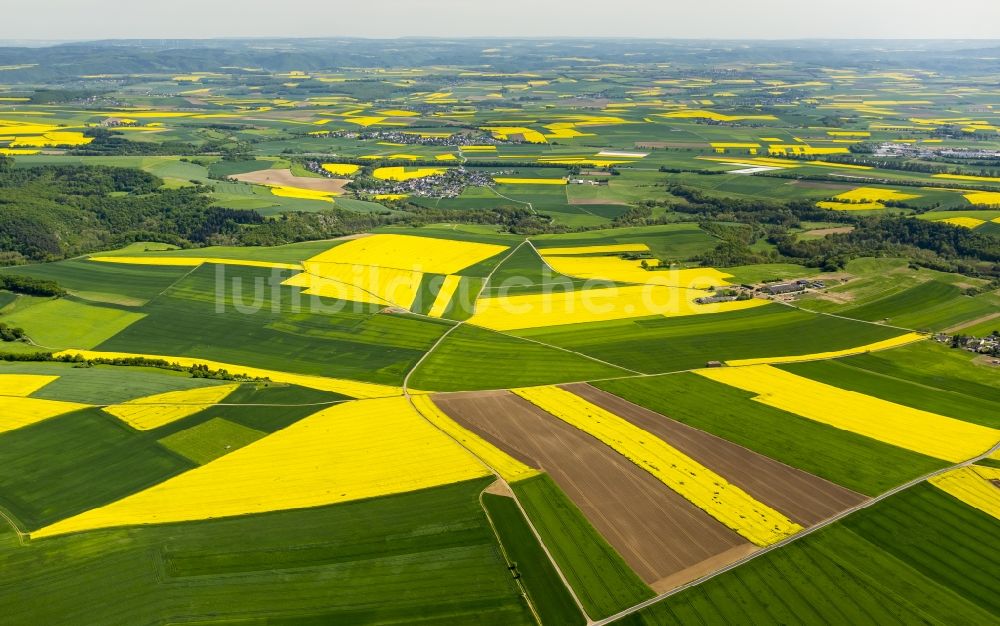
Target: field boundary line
{"x": 804, "y": 533}
{"x": 616, "y": 283}
{"x": 722, "y": 439}
{"x": 530, "y": 206}
{"x": 496, "y": 474}
{"x": 506, "y": 557}
{"x": 844, "y": 317}
{"x": 10, "y": 519}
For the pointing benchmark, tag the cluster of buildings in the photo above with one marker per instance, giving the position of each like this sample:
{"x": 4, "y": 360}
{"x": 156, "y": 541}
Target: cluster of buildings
{"x": 464, "y": 138}
{"x": 795, "y": 286}
{"x": 982, "y": 345}
{"x": 747, "y": 291}
{"x": 909, "y": 150}
{"x": 447, "y": 185}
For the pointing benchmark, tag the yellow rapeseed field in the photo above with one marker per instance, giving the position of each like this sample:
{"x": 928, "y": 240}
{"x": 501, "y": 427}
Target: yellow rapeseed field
{"x": 350, "y": 388}
{"x": 445, "y": 294}
{"x": 530, "y": 181}
{"x": 192, "y": 261}
{"x": 607, "y": 249}
{"x": 425, "y": 254}
{"x": 594, "y": 305}
{"x": 509, "y": 468}
{"x": 65, "y": 138}
{"x": 301, "y": 194}
{"x": 505, "y": 132}
{"x": 157, "y": 410}
{"x": 698, "y": 484}
{"x": 972, "y": 485}
{"x": 402, "y": 173}
{"x": 17, "y": 412}
{"x": 849, "y": 206}
{"x": 359, "y": 283}
{"x": 621, "y": 270}
{"x": 964, "y": 222}
{"x": 341, "y": 169}
{"x": 351, "y": 451}
{"x": 987, "y": 179}
{"x": 803, "y": 149}
{"x": 386, "y": 269}
{"x": 23, "y": 384}
{"x": 893, "y": 342}
{"x": 874, "y": 194}
{"x": 314, "y": 285}
{"x": 985, "y": 198}
{"x": 920, "y": 431}
{"x": 390, "y": 196}
{"x": 712, "y": 115}
{"x": 17, "y": 151}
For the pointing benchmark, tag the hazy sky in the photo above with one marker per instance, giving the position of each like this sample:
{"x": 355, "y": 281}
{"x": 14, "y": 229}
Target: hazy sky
{"x": 745, "y": 19}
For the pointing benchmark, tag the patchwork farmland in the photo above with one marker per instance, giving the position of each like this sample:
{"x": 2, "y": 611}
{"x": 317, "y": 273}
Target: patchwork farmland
{"x": 631, "y": 338}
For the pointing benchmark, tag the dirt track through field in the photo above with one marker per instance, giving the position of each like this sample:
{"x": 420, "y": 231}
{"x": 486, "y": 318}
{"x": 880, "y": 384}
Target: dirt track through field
{"x": 662, "y": 536}
{"x": 803, "y": 497}
{"x": 287, "y": 179}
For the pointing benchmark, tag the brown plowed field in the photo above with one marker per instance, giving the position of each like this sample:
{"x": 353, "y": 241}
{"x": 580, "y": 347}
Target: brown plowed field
{"x": 662, "y": 536}
{"x": 287, "y": 179}
{"x": 803, "y": 497}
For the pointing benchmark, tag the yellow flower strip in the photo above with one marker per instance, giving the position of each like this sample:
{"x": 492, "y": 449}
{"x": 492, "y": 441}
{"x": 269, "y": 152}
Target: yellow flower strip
{"x": 530, "y": 181}
{"x": 594, "y": 305}
{"x": 710, "y": 492}
{"x": 608, "y": 249}
{"x": 17, "y": 412}
{"x": 192, "y": 261}
{"x": 157, "y": 410}
{"x": 352, "y": 451}
{"x": 972, "y": 485}
{"x": 900, "y": 340}
{"x": 23, "y": 384}
{"x": 351, "y": 388}
{"x": 622, "y": 270}
{"x": 964, "y": 222}
{"x": 913, "y": 429}
{"x": 445, "y": 294}
{"x": 509, "y": 468}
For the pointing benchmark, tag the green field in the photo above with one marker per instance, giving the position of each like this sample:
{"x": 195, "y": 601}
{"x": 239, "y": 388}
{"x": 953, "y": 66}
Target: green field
{"x": 935, "y": 366}
{"x": 67, "y": 464}
{"x": 210, "y": 440}
{"x": 64, "y": 323}
{"x": 104, "y": 384}
{"x": 268, "y": 332}
{"x": 129, "y": 285}
{"x": 665, "y": 344}
{"x": 501, "y": 361}
{"x": 865, "y": 465}
{"x": 943, "y": 401}
{"x": 903, "y": 561}
{"x": 929, "y": 306}
{"x": 601, "y": 579}
{"x": 548, "y": 594}
{"x": 423, "y": 557}
{"x": 711, "y": 154}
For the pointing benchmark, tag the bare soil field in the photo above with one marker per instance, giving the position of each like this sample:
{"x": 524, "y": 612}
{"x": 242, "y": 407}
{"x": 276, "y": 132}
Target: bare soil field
{"x": 805, "y": 498}
{"x": 662, "y": 536}
{"x": 822, "y": 232}
{"x": 287, "y": 179}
